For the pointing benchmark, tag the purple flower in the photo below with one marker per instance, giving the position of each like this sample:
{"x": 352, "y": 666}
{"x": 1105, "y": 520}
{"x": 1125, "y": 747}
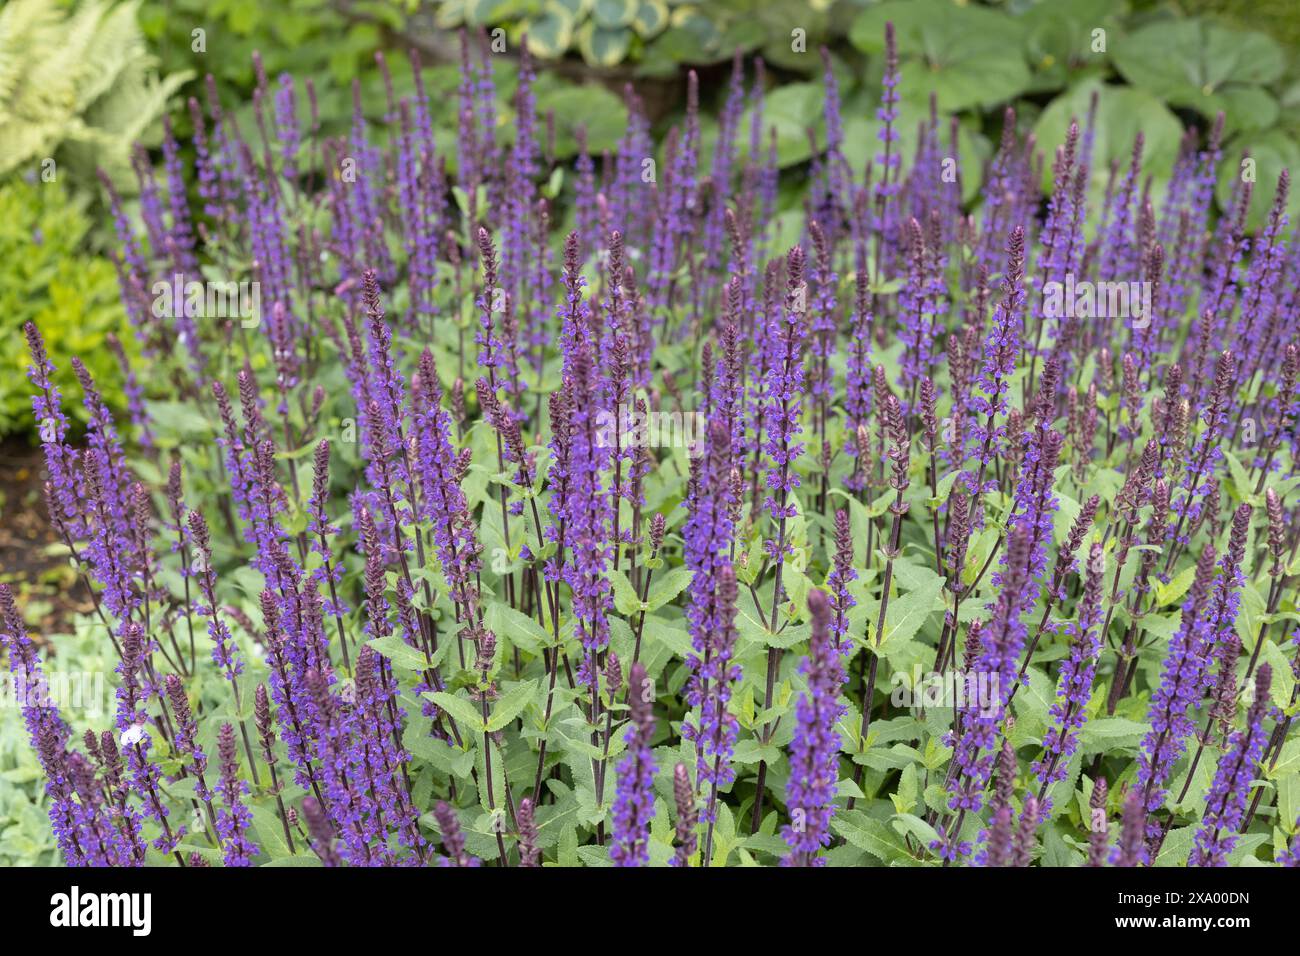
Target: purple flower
{"x": 1182, "y": 685}
{"x": 453, "y": 840}
{"x": 1290, "y": 856}
{"x": 711, "y": 613}
{"x": 233, "y": 819}
{"x": 1225, "y": 804}
{"x": 687, "y": 816}
{"x": 1131, "y": 849}
{"x": 814, "y": 751}
{"x": 634, "y": 797}
{"x": 1001, "y": 349}
{"x": 1075, "y": 686}
{"x": 782, "y": 403}
{"x": 1001, "y": 642}
{"x": 78, "y": 829}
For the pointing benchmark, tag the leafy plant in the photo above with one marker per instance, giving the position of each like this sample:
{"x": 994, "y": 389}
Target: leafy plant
{"x": 76, "y": 86}
{"x": 659, "y": 512}
{"x": 656, "y": 36}
{"x": 47, "y": 277}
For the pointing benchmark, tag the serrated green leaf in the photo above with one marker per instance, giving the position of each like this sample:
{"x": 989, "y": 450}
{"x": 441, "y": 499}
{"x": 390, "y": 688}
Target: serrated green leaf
{"x": 511, "y": 705}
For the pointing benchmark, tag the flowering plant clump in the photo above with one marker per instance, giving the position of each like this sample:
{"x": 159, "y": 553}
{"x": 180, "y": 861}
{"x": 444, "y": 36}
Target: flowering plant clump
{"x": 475, "y": 510}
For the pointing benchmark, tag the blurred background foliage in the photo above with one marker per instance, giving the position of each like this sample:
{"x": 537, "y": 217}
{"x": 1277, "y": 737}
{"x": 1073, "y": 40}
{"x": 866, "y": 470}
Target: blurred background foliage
{"x": 50, "y": 277}
{"x": 80, "y": 80}
{"x": 78, "y": 86}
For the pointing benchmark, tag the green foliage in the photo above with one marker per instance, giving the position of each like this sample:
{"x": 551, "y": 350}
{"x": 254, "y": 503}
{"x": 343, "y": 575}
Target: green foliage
{"x": 657, "y": 36}
{"x": 76, "y": 86}
{"x": 71, "y": 295}
{"x": 304, "y": 37}
{"x": 975, "y": 58}
{"x": 961, "y": 53}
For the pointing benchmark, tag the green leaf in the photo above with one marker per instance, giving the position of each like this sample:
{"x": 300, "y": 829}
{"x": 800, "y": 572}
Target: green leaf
{"x": 663, "y": 588}
{"x": 966, "y": 55}
{"x": 791, "y": 109}
{"x": 1107, "y": 734}
{"x": 401, "y": 654}
{"x": 1121, "y": 113}
{"x": 603, "y": 46}
{"x": 1059, "y": 38}
{"x": 921, "y": 831}
{"x": 656, "y": 630}
{"x": 1271, "y": 152}
{"x": 1193, "y": 62}
{"x": 872, "y": 835}
{"x": 905, "y": 797}
{"x": 459, "y": 708}
{"x": 1283, "y": 684}
{"x": 626, "y": 600}
{"x": 551, "y": 34}
{"x": 516, "y": 627}
{"x": 270, "y": 832}
{"x": 724, "y": 836}
{"x": 906, "y": 614}
{"x": 1176, "y": 848}
{"x": 302, "y": 859}
{"x": 651, "y": 18}
{"x": 1167, "y": 594}
{"x": 511, "y": 705}
{"x": 1288, "y": 797}
{"x": 612, "y": 14}
{"x": 1245, "y": 487}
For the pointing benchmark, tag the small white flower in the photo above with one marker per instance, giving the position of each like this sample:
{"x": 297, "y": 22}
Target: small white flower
{"x": 132, "y": 735}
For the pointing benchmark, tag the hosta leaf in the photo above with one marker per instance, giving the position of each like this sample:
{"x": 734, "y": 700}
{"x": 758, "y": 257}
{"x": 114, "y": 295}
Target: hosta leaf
{"x": 651, "y": 18}
{"x": 1121, "y": 113}
{"x": 1270, "y": 153}
{"x": 612, "y": 14}
{"x": 550, "y": 34}
{"x": 966, "y": 55}
{"x": 1187, "y": 61}
{"x": 603, "y": 46}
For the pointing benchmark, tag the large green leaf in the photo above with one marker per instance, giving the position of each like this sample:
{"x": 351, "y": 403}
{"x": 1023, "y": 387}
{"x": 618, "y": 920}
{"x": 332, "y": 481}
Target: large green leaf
{"x": 870, "y": 834}
{"x": 1272, "y": 152}
{"x": 613, "y": 14}
{"x": 1191, "y": 62}
{"x": 550, "y": 34}
{"x": 791, "y": 110}
{"x": 1059, "y": 39}
{"x": 594, "y": 107}
{"x": 651, "y": 18}
{"x": 603, "y": 46}
{"x": 401, "y": 654}
{"x": 1121, "y": 113}
{"x": 966, "y": 55}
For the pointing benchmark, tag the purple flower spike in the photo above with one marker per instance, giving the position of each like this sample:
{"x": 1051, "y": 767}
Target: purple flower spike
{"x": 634, "y": 795}
{"x": 814, "y": 752}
